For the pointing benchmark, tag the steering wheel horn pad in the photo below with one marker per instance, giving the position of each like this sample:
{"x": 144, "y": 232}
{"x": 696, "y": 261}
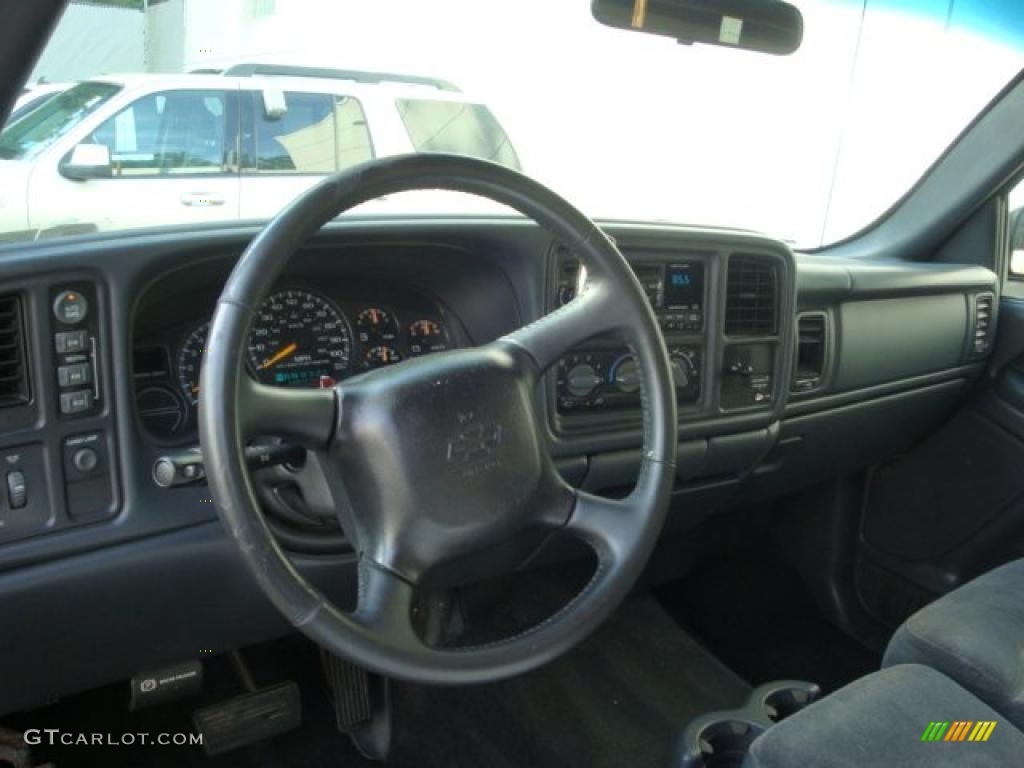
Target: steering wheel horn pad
{"x": 440, "y": 457}
{"x": 446, "y": 451}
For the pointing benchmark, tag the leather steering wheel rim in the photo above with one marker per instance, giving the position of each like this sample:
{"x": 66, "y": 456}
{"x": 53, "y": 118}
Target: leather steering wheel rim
{"x": 378, "y": 635}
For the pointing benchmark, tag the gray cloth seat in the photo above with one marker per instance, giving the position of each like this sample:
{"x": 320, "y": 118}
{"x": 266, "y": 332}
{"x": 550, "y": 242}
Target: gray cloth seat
{"x": 879, "y": 720}
{"x": 975, "y": 636}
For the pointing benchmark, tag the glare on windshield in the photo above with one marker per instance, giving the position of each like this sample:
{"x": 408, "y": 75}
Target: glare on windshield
{"x": 213, "y": 110}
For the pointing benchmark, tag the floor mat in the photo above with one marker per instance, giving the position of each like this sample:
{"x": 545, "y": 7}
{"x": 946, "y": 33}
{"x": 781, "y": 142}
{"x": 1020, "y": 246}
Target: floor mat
{"x": 757, "y": 616}
{"x": 620, "y": 699}
{"x": 315, "y": 744}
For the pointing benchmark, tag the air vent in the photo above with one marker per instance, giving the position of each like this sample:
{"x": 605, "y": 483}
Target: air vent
{"x": 811, "y": 350}
{"x": 984, "y": 305}
{"x": 751, "y": 297}
{"x": 568, "y": 281}
{"x": 14, "y": 388}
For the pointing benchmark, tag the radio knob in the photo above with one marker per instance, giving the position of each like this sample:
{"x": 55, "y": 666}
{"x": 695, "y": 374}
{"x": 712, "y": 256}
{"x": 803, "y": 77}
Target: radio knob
{"x": 582, "y": 380}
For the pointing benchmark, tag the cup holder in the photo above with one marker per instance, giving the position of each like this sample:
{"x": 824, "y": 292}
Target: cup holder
{"x": 724, "y": 744}
{"x": 780, "y": 700}
{"x": 718, "y": 740}
{"x": 723, "y": 739}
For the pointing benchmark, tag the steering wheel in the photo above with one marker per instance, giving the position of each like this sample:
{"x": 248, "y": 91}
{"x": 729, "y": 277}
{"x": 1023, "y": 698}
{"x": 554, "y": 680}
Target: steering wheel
{"x": 439, "y": 457}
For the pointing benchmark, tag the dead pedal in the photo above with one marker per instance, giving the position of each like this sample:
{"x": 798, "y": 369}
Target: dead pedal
{"x": 249, "y": 718}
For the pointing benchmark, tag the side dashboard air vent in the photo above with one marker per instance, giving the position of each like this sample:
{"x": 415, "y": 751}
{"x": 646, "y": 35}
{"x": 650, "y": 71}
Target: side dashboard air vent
{"x": 984, "y": 325}
{"x": 811, "y": 351}
{"x": 14, "y": 389}
{"x": 751, "y": 301}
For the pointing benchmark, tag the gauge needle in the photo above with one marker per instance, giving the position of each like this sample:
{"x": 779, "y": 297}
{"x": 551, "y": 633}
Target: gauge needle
{"x": 280, "y": 355}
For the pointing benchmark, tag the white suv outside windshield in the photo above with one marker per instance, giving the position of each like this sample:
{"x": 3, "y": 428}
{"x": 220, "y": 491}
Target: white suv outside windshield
{"x": 810, "y": 147}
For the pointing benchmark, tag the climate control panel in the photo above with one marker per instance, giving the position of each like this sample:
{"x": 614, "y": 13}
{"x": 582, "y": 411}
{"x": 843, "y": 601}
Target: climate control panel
{"x": 609, "y": 378}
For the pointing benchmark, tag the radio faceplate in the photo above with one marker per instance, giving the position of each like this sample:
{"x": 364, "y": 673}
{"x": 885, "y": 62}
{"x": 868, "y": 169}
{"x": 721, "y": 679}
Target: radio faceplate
{"x": 675, "y": 290}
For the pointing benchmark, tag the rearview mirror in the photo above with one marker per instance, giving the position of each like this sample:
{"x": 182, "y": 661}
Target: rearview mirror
{"x": 767, "y": 26}
{"x": 87, "y": 161}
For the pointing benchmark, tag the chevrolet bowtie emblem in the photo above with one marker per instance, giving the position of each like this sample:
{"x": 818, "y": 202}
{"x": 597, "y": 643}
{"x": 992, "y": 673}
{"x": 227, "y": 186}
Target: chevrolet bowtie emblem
{"x": 475, "y": 445}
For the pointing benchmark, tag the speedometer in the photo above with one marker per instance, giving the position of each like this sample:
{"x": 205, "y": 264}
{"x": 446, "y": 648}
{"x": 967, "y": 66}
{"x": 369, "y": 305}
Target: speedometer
{"x": 189, "y": 357}
{"x": 299, "y": 339}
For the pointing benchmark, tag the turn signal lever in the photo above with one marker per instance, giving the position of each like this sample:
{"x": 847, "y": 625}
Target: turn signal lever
{"x": 187, "y": 467}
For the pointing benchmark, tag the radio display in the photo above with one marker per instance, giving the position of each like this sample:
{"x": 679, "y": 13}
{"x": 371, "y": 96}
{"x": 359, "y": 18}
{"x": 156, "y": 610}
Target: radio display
{"x": 684, "y": 285}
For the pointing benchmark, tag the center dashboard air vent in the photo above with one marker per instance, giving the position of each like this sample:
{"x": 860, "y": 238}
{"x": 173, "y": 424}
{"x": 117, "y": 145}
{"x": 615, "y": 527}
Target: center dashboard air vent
{"x": 751, "y": 301}
{"x": 14, "y": 384}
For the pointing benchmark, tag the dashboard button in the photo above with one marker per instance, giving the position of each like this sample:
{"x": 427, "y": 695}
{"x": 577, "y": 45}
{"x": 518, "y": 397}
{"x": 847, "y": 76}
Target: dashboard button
{"x": 69, "y": 342}
{"x": 76, "y": 375}
{"x": 75, "y": 402}
{"x": 85, "y": 460}
{"x": 71, "y": 307}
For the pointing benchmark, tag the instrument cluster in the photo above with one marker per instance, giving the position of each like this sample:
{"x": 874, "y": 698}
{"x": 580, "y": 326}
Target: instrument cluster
{"x": 300, "y": 337}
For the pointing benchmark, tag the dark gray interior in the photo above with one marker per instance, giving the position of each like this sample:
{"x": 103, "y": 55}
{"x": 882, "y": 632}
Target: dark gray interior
{"x": 876, "y": 394}
{"x": 851, "y": 427}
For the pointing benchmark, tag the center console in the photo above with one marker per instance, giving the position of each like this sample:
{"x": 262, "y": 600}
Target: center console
{"x": 603, "y": 375}
{"x": 722, "y": 309}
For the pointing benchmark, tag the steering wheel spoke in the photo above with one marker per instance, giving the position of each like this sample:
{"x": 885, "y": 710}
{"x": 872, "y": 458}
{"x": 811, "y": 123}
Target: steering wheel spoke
{"x": 303, "y": 416}
{"x": 609, "y": 526}
{"x": 593, "y": 312}
{"x": 385, "y": 606}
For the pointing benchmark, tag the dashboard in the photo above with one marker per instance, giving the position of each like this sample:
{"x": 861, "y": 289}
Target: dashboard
{"x": 789, "y": 369}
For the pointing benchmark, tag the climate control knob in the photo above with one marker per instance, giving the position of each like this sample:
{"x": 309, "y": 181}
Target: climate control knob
{"x": 581, "y": 380}
{"x": 626, "y": 375}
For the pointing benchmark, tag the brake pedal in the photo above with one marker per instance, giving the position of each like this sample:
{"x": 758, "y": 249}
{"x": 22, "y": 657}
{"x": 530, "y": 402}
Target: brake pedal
{"x": 249, "y": 718}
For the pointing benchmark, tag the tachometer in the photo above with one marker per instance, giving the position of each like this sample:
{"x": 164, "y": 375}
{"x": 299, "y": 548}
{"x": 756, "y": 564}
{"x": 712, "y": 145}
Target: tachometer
{"x": 299, "y": 339}
{"x": 189, "y": 357}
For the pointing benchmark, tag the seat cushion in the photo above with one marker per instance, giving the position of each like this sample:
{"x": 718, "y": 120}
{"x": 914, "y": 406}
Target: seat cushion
{"x": 881, "y": 719}
{"x": 974, "y": 635}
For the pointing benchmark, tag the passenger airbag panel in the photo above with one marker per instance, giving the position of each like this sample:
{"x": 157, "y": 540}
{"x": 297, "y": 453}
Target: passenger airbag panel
{"x": 896, "y": 339}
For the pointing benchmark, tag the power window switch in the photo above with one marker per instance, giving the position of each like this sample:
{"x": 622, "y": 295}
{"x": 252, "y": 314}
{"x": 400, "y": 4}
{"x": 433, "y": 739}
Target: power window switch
{"x": 17, "y": 490}
{"x": 77, "y": 375}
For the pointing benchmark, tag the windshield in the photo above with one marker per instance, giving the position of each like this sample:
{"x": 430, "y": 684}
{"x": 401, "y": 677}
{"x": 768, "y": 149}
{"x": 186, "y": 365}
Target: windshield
{"x": 27, "y": 134}
{"x": 230, "y": 108}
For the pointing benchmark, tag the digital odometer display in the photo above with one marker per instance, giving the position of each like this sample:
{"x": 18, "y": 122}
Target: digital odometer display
{"x": 299, "y": 339}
